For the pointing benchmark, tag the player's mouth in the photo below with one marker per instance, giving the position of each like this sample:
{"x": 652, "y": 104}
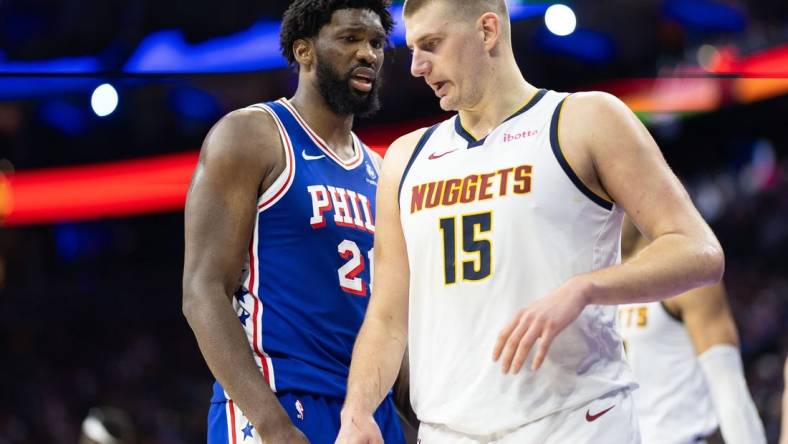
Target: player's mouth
{"x": 438, "y": 88}
{"x": 362, "y": 79}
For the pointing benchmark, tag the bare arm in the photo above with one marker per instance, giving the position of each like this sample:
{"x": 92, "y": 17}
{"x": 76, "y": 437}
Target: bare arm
{"x": 381, "y": 342}
{"x": 704, "y": 310}
{"x": 402, "y": 384}
{"x": 708, "y": 320}
{"x": 239, "y": 155}
{"x": 683, "y": 252}
{"x": 707, "y": 317}
{"x": 616, "y": 157}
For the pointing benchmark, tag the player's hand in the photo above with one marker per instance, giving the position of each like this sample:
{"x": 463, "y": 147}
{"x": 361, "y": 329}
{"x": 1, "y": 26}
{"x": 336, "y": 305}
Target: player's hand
{"x": 544, "y": 320}
{"x": 359, "y": 428}
{"x": 286, "y": 434}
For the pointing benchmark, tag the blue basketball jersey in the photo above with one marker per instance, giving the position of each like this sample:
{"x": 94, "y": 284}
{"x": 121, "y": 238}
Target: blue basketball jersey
{"x": 307, "y": 279}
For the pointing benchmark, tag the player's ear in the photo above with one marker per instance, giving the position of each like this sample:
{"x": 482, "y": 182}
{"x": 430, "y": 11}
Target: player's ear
{"x": 304, "y": 53}
{"x": 489, "y": 24}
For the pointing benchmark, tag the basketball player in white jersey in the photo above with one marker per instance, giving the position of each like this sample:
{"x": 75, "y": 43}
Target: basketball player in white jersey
{"x": 685, "y": 357}
{"x": 497, "y": 249}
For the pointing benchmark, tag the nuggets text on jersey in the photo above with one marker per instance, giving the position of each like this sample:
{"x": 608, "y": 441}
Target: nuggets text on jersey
{"x": 472, "y": 188}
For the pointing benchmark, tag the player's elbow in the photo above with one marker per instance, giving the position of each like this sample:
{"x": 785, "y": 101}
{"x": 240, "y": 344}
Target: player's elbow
{"x": 188, "y": 299}
{"x": 191, "y": 301}
{"x": 714, "y": 258}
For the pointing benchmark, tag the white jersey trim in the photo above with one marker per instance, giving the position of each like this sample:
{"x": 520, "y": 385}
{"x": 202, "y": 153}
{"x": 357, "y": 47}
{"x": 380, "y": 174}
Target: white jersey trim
{"x": 349, "y": 164}
{"x": 256, "y": 337}
{"x": 564, "y": 162}
{"x": 279, "y": 188}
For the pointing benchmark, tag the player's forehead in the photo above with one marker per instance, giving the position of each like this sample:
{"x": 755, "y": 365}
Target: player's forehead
{"x": 354, "y": 19}
{"x": 430, "y": 20}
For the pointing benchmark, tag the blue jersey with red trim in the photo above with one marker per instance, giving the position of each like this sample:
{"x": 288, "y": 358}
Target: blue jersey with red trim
{"x": 306, "y": 282}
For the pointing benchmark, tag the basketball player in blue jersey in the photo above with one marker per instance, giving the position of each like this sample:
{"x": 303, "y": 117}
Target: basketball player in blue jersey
{"x": 497, "y": 249}
{"x": 279, "y": 224}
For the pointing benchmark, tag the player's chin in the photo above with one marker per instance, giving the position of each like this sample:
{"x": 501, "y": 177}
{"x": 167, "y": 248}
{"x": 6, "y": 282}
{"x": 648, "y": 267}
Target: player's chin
{"x": 360, "y": 95}
{"x": 448, "y": 104}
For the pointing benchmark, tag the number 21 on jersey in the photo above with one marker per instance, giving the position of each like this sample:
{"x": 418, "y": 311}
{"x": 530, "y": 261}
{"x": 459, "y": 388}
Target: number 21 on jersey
{"x": 472, "y": 229}
{"x": 349, "y": 279}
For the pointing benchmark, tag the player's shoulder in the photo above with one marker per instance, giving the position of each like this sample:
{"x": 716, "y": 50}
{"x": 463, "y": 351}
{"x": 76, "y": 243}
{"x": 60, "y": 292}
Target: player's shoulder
{"x": 404, "y": 145}
{"x": 244, "y": 135}
{"x": 597, "y": 119}
{"x": 401, "y": 150}
{"x": 593, "y": 104}
{"x": 249, "y": 120}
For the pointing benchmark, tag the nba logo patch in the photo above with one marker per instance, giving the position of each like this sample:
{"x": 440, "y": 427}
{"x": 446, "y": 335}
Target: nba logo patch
{"x": 300, "y": 409}
{"x": 371, "y": 172}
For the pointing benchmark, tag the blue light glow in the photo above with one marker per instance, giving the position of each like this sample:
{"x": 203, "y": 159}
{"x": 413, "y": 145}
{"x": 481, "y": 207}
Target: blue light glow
{"x": 64, "y": 116}
{"x": 168, "y": 52}
{"x": 586, "y": 45}
{"x": 706, "y": 15}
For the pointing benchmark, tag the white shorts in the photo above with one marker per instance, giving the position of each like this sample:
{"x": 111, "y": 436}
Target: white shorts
{"x": 609, "y": 419}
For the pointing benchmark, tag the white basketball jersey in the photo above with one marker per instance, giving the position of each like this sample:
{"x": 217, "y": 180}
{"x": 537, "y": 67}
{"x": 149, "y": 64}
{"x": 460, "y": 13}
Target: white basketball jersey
{"x": 673, "y": 401}
{"x": 492, "y": 225}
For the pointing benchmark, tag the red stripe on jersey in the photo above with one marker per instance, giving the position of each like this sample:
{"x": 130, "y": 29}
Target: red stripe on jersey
{"x": 257, "y": 350}
{"x": 290, "y": 166}
{"x": 232, "y": 420}
{"x": 251, "y": 266}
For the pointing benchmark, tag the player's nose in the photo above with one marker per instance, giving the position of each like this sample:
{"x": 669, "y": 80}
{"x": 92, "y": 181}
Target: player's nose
{"x": 368, "y": 54}
{"x": 419, "y": 65}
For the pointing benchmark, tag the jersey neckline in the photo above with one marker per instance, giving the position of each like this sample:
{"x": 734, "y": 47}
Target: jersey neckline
{"x": 473, "y": 142}
{"x": 346, "y": 164}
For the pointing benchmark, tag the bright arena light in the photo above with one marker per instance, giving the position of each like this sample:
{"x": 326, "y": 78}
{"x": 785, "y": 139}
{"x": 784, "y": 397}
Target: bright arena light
{"x": 560, "y": 20}
{"x": 104, "y": 100}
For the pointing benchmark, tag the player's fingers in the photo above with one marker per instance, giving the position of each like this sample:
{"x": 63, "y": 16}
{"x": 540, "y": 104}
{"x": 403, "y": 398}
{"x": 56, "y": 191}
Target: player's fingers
{"x": 504, "y": 335}
{"x": 510, "y": 348}
{"x": 544, "y": 345}
{"x": 525, "y": 345}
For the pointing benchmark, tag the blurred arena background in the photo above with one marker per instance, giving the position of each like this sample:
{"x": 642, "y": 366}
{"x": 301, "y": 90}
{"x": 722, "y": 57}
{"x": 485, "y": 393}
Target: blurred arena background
{"x": 93, "y": 179}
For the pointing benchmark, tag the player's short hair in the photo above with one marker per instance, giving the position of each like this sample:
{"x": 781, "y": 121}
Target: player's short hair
{"x": 304, "y": 19}
{"x": 466, "y": 9}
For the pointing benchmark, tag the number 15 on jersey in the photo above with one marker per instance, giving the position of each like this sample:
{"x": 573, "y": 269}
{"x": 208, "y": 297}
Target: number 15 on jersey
{"x": 479, "y": 249}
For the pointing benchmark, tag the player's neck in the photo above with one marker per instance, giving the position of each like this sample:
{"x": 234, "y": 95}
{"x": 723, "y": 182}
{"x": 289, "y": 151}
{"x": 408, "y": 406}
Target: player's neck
{"x": 502, "y": 96}
{"x": 333, "y": 128}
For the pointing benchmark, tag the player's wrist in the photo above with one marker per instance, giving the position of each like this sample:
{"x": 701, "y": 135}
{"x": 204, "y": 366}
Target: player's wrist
{"x": 584, "y": 289}
{"x": 355, "y": 410}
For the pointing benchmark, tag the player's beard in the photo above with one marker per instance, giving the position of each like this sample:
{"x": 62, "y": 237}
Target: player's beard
{"x": 340, "y": 96}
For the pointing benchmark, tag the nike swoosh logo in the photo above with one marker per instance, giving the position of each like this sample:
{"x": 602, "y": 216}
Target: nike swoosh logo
{"x": 434, "y": 156}
{"x": 310, "y": 157}
{"x": 592, "y": 418}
